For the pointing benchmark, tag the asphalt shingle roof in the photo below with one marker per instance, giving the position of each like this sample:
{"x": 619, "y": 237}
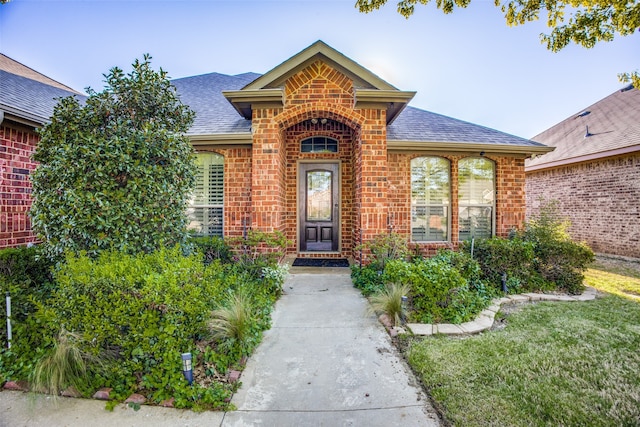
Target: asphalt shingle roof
{"x": 214, "y": 114}
{"x": 613, "y": 122}
{"x": 28, "y": 98}
{"x": 414, "y": 124}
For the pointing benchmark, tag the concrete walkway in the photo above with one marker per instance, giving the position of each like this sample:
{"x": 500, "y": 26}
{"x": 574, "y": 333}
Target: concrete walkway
{"x": 324, "y": 362}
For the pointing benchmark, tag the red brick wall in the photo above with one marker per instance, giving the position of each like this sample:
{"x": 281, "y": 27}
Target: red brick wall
{"x": 17, "y": 145}
{"x": 600, "y": 197}
{"x": 510, "y": 194}
{"x": 510, "y": 207}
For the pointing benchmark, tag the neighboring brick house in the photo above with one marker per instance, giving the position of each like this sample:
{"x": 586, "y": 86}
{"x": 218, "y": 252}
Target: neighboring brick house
{"x": 594, "y": 173}
{"x": 330, "y": 154}
{"x": 27, "y": 99}
{"x": 320, "y": 149}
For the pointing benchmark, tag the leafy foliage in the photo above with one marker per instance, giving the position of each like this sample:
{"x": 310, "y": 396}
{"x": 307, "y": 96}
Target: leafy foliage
{"x": 116, "y": 171}
{"x": 445, "y": 288}
{"x": 368, "y": 279}
{"x": 515, "y": 257}
{"x": 212, "y": 248}
{"x": 559, "y": 260}
{"x": 137, "y": 314}
{"x": 258, "y": 250}
{"x": 440, "y": 294}
{"x": 26, "y": 275}
{"x": 383, "y": 248}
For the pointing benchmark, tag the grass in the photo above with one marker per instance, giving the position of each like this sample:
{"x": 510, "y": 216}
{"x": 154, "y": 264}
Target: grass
{"x": 554, "y": 364}
{"x": 615, "y": 277}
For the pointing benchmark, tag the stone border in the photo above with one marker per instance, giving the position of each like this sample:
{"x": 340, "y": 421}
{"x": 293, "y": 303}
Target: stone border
{"x": 485, "y": 320}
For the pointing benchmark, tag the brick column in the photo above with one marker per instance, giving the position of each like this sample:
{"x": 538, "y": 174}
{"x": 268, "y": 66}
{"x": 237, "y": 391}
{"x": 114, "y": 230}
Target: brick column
{"x": 371, "y": 175}
{"x": 510, "y": 196}
{"x": 267, "y": 173}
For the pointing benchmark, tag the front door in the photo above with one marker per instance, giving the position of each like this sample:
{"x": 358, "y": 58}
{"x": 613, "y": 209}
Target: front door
{"x": 319, "y": 207}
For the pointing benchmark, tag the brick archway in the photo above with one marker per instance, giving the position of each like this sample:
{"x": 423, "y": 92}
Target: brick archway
{"x": 300, "y": 113}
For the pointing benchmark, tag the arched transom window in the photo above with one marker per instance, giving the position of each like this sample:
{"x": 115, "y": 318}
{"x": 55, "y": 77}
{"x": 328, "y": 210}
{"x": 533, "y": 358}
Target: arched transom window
{"x": 430, "y": 199}
{"x": 476, "y": 192}
{"x": 319, "y": 144}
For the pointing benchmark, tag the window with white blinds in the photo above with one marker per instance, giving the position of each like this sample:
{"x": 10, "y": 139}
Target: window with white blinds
{"x": 206, "y": 207}
{"x": 476, "y": 191}
{"x": 430, "y": 199}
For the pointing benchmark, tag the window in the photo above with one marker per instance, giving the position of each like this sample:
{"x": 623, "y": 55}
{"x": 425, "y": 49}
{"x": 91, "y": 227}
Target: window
{"x": 476, "y": 192}
{"x": 205, "y": 211}
{"x": 317, "y": 144}
{"x": 430, "y": 196}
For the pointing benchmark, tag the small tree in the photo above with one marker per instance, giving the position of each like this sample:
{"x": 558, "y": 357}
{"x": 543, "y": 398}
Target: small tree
{"x": 116, "y": 171}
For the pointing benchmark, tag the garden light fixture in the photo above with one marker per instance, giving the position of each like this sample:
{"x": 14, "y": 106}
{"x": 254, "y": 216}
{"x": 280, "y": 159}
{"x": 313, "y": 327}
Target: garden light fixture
{"x": 187, "y": 371}
{"x": 8, "y": 300}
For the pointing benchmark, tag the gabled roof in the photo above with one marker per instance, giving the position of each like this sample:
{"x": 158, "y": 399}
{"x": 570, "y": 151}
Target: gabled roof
{"x": 362, "y": 77}
{"x": 414, "y": 129}
{"x": 609, "y": 127}
{"x": 368, "y": 87}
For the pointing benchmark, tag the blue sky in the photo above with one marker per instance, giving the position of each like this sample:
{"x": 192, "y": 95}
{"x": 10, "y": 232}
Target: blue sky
{"x": 468, "y": 65}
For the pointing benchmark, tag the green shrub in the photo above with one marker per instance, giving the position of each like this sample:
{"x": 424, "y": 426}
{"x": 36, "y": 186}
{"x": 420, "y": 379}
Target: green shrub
{"x": 26, "y": 275}
{"x": 384, "y": 248}
{"x": 117, "y": 170}
{"x": 258, "y": 250}
{"x": 462, "y": 261}
{"x": 367, "y": 278}
{"x": 212, "y": 248}
{"x": 515, "y": 257}
{"x": 560, "y": 261}
{"x": 440, "y": 294}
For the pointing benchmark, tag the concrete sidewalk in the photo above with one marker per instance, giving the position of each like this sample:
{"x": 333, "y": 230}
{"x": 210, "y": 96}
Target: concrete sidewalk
{"x": 324, "y": 362}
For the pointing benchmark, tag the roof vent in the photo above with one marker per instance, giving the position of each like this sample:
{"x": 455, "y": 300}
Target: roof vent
{"x": 588, "y": 134}
{"x": 584, "y": 113}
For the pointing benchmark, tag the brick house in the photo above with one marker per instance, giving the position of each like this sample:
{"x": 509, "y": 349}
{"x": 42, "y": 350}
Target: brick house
{"x": 330, "y": 154}
{"x": 27, "y": 99}
{"x": 320, "y": 149}
{"x": 594, "y": 173}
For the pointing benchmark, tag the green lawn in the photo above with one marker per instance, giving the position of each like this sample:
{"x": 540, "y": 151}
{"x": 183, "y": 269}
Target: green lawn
{"x": 572, "y": 364}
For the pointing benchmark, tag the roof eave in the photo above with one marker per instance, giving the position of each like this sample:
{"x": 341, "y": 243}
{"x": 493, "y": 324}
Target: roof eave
{"x": 394, "y": 100}
{"x": 22, "y": 117}
{"x": 584, "y": 158}
{"x": 461, "y": 146}
{"x": 220, "y": 139}
{"x": 242, "y": 100}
